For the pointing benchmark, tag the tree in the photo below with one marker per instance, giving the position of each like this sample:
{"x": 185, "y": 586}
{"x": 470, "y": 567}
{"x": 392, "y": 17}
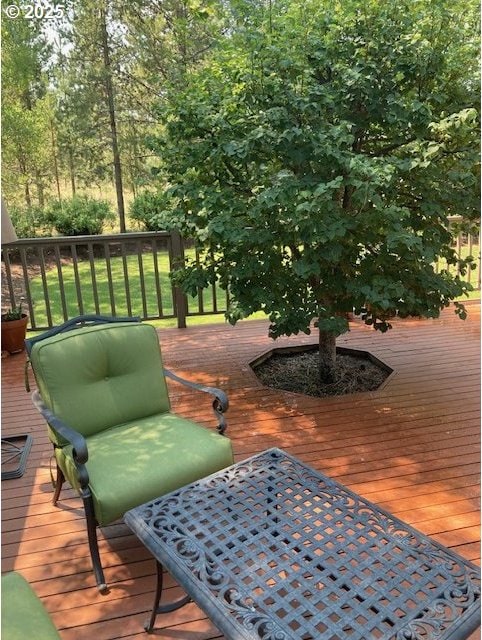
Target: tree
{"x": 25, "y": 110}
{"x": 81, "y": 91}
{"x": 109, "y": 93}
{"x": 92, "y": 59}
{"x": 316, "y": 158}
{"x": 163, "y": 41}
{"x": 170, "y": 37}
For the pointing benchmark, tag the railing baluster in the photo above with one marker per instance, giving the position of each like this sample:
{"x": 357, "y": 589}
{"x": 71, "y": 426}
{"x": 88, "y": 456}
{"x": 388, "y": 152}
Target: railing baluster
{"x": 8, "y": 274}
{"x": 470, "y": 248}
{"x": 215, "y": 299}
{"x": 458, "y": 249}
{"x": 214, "y": 292}
{"x": 109, "y": 278}
{"x": 200, "y": 297}
{"x": 23, "y": 260}
{"x": 90, "y": 249}
{"x": 58, "y": 262}
{"x": 45, "y": 286}
{"x": 141, "y": 278}
{"x": 156, "y": 277}
{"x": 78, "y": 287}
{"x": 126, "y": 279}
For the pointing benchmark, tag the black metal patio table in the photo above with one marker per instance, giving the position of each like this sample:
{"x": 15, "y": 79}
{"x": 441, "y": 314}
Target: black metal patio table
{"x": 271, "y": 549}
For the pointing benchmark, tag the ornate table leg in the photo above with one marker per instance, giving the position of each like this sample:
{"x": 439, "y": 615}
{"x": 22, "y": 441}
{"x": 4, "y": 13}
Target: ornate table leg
{"x": 162, "y": 608}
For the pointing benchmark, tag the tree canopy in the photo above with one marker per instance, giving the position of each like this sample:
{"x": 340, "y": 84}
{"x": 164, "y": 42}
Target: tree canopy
{"x": 317, "y": 156}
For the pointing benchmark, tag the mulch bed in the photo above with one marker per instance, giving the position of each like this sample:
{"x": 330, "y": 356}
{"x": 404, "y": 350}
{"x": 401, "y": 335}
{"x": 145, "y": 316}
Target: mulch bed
{"x": 298, "y": 372}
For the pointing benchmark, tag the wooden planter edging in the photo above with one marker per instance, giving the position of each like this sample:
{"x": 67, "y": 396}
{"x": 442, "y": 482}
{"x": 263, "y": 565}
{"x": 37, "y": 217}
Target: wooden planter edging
{"x": 357, "y": 353}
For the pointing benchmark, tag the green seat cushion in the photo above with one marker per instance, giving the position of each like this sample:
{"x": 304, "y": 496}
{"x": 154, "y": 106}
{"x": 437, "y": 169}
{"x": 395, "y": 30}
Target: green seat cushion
{"x": 146, "y": 458}
{"x": 99, "y": 376}
{"x": 23, "y": 614}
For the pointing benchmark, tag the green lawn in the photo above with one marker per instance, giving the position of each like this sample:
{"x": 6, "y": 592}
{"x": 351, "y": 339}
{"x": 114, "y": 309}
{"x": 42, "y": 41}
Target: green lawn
{"x": 150, "y": 308}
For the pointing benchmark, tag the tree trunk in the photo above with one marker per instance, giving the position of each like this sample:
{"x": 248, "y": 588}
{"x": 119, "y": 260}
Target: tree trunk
{"x": 40, "y": 189}
{"x": 72, "y": 170}
{"x": 54, "y": 155}
{"x": 112, "y": 118}
{"x": 182, "y": 15}
{"x": 23, "y": 172}
{"x": 28, "y": 199}
{"x": 327, "y": 351}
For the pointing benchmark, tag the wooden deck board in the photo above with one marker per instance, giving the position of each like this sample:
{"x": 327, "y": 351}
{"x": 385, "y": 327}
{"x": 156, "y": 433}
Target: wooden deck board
{"x": 413, "y": 447}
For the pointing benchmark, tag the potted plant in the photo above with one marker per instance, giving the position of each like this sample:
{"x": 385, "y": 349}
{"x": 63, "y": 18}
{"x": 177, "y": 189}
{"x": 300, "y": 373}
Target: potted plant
{"x": 14, "y": 328}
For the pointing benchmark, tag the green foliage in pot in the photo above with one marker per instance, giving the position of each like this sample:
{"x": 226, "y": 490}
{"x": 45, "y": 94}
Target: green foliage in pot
{"x": 14, "y": 313}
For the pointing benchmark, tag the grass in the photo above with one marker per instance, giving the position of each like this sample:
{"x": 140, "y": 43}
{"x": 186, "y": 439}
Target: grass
{"x": 145, "y": 303}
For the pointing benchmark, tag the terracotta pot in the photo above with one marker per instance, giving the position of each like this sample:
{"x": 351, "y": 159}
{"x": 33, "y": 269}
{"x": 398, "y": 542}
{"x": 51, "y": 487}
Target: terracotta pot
{"x": 13, "y": 334}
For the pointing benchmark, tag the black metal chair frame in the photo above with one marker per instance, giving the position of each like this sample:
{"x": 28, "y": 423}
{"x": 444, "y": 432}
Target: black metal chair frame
{"x": 79, "y": 445}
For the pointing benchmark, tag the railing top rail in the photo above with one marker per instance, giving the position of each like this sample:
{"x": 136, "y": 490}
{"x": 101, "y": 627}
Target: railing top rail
{"x": 102, "y": 238}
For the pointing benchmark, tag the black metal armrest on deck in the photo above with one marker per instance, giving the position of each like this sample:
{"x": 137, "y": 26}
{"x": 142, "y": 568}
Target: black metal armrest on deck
{"x": 220, "y": 403}
{"x": 80, "y": 453}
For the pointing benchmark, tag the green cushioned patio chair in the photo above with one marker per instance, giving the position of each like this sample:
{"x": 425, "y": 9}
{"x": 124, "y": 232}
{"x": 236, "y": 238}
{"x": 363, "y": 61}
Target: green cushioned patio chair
{"x": 102, "y": 390}
{"x": 23, "y": 614}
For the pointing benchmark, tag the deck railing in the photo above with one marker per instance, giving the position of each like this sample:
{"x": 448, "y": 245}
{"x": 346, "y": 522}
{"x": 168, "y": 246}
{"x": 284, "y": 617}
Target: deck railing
{"x": 468, "y": 244}
{"x": 121, "y": 275}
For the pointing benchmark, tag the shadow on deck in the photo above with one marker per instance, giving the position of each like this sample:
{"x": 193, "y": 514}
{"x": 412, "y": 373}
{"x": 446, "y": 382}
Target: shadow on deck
{"x": 412, "y": 447}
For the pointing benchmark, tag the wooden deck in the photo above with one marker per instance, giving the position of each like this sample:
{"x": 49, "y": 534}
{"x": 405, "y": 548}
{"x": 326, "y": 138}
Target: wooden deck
{"x": 412, "y": 447}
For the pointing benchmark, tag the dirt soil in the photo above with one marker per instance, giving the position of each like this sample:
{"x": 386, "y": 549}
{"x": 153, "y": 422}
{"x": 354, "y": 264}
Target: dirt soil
{"x": 298, "y": 372}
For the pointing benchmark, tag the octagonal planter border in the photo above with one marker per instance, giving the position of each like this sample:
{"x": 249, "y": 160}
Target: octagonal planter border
{"x": 357, "y": 353}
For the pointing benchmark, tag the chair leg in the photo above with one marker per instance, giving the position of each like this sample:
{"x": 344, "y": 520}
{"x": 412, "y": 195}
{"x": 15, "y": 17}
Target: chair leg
{"x": 93, "y": 542}
{"x": 59, "y": 481}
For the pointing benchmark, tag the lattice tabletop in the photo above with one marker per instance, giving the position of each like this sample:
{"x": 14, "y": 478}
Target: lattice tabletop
{"x": 271, "y": 549}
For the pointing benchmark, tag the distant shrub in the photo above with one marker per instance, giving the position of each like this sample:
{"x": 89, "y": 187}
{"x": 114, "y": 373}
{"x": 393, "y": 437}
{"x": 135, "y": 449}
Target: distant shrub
{"x": 147, "y": 209}
{"x": 80, "y": 216}
{"x": 29, "y": 222}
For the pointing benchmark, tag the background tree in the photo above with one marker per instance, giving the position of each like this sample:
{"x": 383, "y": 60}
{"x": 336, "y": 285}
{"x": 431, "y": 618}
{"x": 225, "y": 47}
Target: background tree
{"x": 102, "y": 71}
{"x": 80, "y": 127}
{"x": 316, "y": 160}
{"x": 93, "y": 59}
{"x": 25, "y": 112}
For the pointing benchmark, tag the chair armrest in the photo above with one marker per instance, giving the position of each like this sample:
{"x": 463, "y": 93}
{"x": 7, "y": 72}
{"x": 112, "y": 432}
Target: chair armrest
{"x": 220, "y": 402}
{"x": 80, "y": 453}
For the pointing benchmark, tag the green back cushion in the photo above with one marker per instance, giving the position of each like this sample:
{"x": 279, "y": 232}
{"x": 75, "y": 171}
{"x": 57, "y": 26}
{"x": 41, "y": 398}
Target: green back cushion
{"x": 23, "y": 615}
{"x": 100, "y": 376}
